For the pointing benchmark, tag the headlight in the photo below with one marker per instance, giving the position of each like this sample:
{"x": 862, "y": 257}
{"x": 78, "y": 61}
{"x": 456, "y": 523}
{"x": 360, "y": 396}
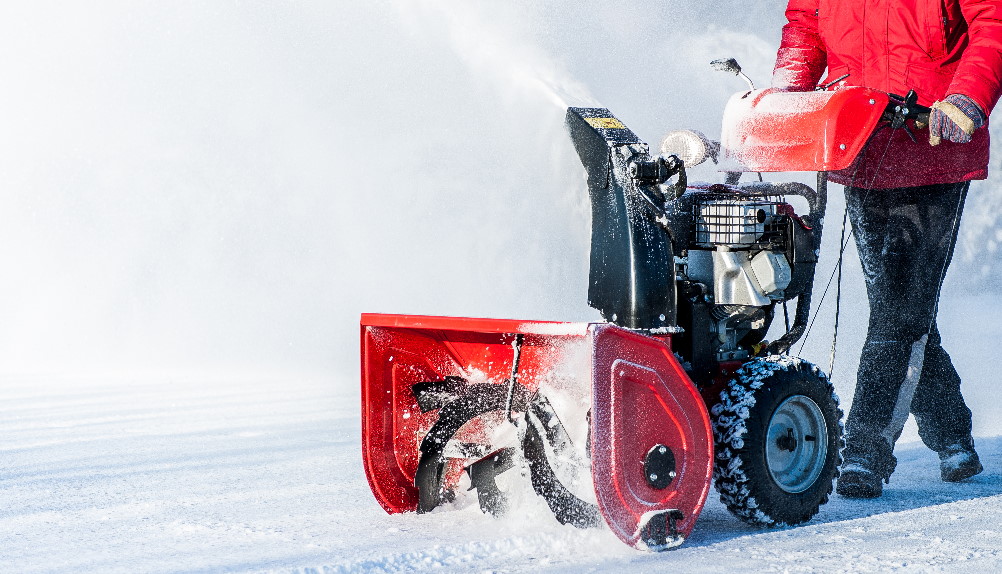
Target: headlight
{"x": 690, "y": 146}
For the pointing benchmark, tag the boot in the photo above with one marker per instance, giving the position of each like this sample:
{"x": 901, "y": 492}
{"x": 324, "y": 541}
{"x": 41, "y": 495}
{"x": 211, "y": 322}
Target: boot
{"x": 857, "y": 479}
{"x": 959, "y": 461}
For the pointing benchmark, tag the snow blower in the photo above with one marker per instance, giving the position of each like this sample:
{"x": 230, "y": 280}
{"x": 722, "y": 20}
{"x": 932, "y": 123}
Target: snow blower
{"x": 679, "y": 387}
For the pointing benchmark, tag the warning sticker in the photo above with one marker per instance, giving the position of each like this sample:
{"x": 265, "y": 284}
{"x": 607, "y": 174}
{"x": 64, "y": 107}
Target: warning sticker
{"x": 605, "y": 123}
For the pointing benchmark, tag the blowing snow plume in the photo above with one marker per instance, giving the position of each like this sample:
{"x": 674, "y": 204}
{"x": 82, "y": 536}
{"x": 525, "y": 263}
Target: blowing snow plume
{"x": 495, "y": 44}
{"x": 228, "y": 186}
{"x": 196, "y": 186}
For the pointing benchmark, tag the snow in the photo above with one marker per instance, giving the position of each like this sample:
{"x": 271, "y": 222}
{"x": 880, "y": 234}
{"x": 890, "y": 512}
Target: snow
{"x": 265, "y": 475}
{"x": 161, "y": 475}
{"x": 566, "y": 329}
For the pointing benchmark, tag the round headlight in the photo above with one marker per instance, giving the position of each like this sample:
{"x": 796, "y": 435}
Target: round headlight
{"x": 690, "y": 146}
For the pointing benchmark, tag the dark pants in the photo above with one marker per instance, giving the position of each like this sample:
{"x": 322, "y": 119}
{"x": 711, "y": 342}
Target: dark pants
{"x": 905, "y": 238}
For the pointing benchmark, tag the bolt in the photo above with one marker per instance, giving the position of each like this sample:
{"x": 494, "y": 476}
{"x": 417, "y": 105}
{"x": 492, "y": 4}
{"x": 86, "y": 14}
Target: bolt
{"x": 872, "y": 101}
{"x": 787, "y": 442}
{"x": 841, "y": 146}
{"x": 663, "y": 450}
{"x": 654, "y": 476}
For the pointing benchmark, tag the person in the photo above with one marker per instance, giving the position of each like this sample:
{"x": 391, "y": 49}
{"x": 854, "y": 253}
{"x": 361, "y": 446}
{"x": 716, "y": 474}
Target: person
{"x": 905, "y": 195}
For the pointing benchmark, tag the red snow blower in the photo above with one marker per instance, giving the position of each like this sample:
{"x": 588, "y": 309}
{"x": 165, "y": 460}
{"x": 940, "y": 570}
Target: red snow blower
{"x": 678, "y": 387}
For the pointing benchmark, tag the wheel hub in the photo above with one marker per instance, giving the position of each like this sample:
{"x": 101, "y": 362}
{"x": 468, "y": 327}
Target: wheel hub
{"x": 796, "y": 444}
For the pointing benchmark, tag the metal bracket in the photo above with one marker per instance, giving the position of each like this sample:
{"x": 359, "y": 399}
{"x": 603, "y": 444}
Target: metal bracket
{"x": 659, "y": 532}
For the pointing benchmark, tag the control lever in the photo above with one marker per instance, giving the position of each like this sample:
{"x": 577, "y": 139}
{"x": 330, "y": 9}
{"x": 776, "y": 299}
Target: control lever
{"x": 900, "y": 109}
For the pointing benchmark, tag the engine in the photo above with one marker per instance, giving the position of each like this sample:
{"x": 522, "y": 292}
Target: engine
{"x": 705, "y": 263}
{"x": 744, "y": 253}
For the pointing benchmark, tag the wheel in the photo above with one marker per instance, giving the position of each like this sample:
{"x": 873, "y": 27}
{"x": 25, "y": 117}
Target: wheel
{"x": 778, "y": 434}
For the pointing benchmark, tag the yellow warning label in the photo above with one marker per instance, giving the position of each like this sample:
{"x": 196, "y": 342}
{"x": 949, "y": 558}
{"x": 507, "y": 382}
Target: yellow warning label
{"x": 605, "y": 123}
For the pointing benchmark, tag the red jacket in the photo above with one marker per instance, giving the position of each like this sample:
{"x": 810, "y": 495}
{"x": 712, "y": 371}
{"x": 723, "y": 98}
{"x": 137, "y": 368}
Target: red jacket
{"x": 935, "y": 47}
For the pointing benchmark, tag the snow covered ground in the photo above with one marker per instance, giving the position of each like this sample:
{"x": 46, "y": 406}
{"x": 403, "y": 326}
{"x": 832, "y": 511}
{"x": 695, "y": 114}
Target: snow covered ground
{"x": 246, "y": 475}
{"x": 165, "y": 476}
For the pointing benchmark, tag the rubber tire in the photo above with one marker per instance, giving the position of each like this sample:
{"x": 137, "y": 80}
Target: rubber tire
{"x": 740, "y": 425}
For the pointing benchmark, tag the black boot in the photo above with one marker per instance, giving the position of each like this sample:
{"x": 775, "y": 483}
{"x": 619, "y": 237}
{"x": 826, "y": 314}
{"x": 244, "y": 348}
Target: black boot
{"x": 959, "y": 461}
{"x": 858, "y": 479}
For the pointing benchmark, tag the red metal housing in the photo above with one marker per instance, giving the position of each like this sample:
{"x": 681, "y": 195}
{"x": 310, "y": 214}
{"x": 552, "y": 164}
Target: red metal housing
{"x": 641, "y": 399}
{"x": 399, "y": 351}
{"x": 769, "y": 130}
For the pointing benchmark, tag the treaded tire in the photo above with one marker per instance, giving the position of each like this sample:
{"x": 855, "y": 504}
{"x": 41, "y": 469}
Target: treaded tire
{"x": 766, "y": 392}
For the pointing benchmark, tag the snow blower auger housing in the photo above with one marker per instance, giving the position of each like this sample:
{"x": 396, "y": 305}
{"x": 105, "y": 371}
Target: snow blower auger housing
{"x": 678, "y": 387}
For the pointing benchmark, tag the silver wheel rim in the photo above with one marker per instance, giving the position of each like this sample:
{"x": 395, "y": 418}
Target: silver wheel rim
{"x": 796, "y": 444}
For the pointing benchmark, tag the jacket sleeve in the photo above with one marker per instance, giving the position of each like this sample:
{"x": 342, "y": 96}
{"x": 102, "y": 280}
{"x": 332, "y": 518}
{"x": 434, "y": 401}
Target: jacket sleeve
{"x": 802, "y": 58}
{"x": 979, "y": 73}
